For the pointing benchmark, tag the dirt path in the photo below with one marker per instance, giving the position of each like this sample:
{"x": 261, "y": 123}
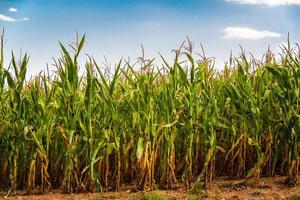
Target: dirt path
{"x": 268, "y": 188}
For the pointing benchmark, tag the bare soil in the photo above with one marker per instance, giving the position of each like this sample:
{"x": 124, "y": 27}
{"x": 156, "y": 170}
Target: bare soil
{"x": 222, "y": 189}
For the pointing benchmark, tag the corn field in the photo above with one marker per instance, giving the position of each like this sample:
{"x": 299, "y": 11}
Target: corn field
{"x": 148, "y": 126}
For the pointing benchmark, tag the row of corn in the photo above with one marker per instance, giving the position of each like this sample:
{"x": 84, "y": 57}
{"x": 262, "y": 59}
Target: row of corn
{"x": 148, "y": 126}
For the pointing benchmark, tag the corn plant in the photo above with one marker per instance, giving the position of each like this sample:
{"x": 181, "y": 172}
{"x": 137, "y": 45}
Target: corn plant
{"x": 148, "y": 126}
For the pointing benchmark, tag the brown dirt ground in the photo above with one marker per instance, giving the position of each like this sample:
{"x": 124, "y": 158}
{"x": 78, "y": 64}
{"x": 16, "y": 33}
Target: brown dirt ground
{"x": 222, "y": 189}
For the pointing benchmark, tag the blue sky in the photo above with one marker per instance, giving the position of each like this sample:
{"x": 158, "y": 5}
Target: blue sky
{"x": 117, "y": 28}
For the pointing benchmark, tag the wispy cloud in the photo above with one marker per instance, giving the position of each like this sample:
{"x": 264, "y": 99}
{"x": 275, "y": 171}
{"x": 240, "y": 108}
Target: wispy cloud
{"x": 24, "y": 19}
{"x": 248, "y": 33}
{"x": 7, "y": 18}
{"x": 149, "y": 24}
{"x": 13, "y": 9}
{"x": 267, "y": 2}
{"x": 10, "y": 19}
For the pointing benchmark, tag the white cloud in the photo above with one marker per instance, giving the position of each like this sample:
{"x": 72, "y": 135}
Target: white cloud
{"x": 248, "y": 33}
{"x": 13, "y": 9}
{"x": 7, "y": 18}
{"x": 149, "y": 24}
{"x": 267, "y": 2}
{"x": 24, "y": 19}
{"x": 10, "y": 19}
